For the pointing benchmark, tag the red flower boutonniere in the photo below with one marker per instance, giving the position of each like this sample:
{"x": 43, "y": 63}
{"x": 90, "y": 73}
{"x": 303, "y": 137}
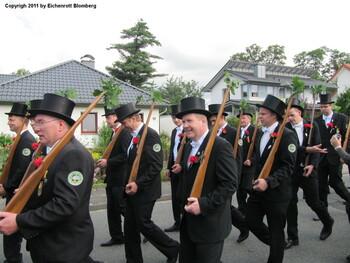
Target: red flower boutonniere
{"x": 223, "y": 130}
{"x": 116, "y": 129}
{"x": 193, "y": 159}
{"x": 180, "y": 135}
{"x": 331, "y": 125}
{"x": 307, "y": 125}
{"x": 135, "y": 140}
{"x": 14, "y": 138}
{"x": 274, "y": 135}
{"x": 37, "y": 162}
{"x": 246, "y": 132}
{"x": 35, "y": 146}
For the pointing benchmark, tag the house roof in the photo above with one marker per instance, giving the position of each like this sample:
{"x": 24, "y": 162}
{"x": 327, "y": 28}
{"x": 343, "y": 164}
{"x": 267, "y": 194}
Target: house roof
{"x": 275, "y": 74}
{"x": 6, "y": 77}
{"x": 67, "y": 75}
{"x": 343, "y": 67}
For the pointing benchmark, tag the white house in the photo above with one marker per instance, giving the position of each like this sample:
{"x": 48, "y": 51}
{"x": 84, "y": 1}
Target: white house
{"x": 342, "y": 78}
{"x": 258, "y": 80}
{"x": 84, "y": 79}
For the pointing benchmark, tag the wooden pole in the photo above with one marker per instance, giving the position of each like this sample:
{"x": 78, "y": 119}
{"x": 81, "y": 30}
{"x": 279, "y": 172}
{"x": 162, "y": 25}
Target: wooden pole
{"x": 235, "y": 147}
{"x": 20, "y": 199}
{"x": 111, "y": 144}
{"x": 252, "y": 143}
{"x": 180, "y": 151}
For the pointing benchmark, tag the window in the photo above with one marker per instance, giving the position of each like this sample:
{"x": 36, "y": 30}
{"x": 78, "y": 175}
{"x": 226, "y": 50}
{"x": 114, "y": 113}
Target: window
{"x": 245, "y": 91}
{"x": 254, "y": 91}
{"x": 89, "y": 124}
{"x": 262, "y": 91}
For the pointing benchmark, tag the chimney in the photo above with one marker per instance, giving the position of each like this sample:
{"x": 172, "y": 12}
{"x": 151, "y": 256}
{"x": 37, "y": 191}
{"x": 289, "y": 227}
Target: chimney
{"x": 259, "y": 71}
{"x": 88, "y": 60}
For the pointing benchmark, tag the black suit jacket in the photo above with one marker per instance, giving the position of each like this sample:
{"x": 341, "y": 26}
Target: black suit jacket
{"x": 214, "y": 222}
{"x": 116, "y": 171}
{"x": 340, "y": 121}
{"x": 247, "y": 139}
{"x": 21, "y": 159}
{"x": 230, "y": 136}
{"x": 151, "y": 164}
{"x": 171, "y": 160}
{"x": 315, "y": 140}
{"x": 279, "y": 179}
{"x": 57, "y": 225}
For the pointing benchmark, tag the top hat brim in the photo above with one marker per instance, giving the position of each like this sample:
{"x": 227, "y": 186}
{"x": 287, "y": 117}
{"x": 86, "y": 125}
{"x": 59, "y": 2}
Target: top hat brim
{"x": 15, "y": 114}
{"x": 216, "y": 113}
{"x": 298, "y": 107}
{"x": 208, "y": 114}
{"x": 245, "y": 113}
{"x": 327, "y": 102}
{"x": 121, "y": 118}
{"x": 106, "y": 114}
{"x": 66, "y": 118}
{"x": 279, "y": 116}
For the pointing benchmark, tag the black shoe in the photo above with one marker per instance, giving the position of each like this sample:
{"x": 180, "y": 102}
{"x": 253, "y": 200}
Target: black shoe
{"x": 173, "y": 228}
{"x": 291, "y": 242}
{"x": 243, "y": 236}
{"x": 145, "y": 240}
{"x": 114, "y": 241}
{"x": 171, "y": 260}
{"x": 174, "y": 258}
{"x": 316, "y": 218}
{"x": 327, "y": 230}
{"x": 348, "y": 258}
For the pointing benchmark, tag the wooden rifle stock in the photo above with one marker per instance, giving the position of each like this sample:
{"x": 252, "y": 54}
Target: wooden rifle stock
{"x": 345, "y": 143}
{"x": 180, "y": 151}
{"x": 265, "y": 172}
{"x": 111, "y": 144}
{"x": 31, "y": 167}
{"x": 235, "y": 147}
{"x": 20, "y": 199}
{"x": 252, "y": 143}
{"x": 6, "y": 169}
{"x": 136, "y": 163}
{"x": 198, "y": 183}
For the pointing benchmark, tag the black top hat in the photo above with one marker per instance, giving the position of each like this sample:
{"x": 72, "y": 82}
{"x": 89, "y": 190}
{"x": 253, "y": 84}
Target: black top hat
{"x": 56, "y": 106}
{"x": 193, "y": 105}
{"x": 325, "y": 99}
{"x": 274, "y": 104}
{"x": 296, "y": 103}
{"x": 34, "y": 104}
{"x": 108, "y": 111}
{"x": 18, "y": 109}
{"x": 125, "y": 111}
{"x": 175, "y": 109}
{"x": 245, "y": 113}
{"x": 214, "y": 109}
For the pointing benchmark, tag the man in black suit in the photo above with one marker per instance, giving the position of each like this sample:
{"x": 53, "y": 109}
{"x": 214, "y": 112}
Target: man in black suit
{"x": 57, "y": 223}
{"x": 143, "y": 193}
{"x": 330, "y": 167}
{"x": 271, "y": 196}
{"x": 116, "y": 170}
{"x": 305, "y": 174}
{"x": 175, "y": 141}
{"x": 207, "y": 220}
{"x": 229, "y": 133}
{"x": 247, "y": 172}
{"x": 20, "y": 162}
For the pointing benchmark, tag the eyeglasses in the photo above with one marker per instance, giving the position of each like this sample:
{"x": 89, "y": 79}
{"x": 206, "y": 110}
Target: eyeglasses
{"x": 42, "y": 123}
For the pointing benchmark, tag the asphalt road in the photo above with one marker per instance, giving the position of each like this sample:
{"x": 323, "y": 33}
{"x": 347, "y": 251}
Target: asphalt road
{"x": 311, "y": 249}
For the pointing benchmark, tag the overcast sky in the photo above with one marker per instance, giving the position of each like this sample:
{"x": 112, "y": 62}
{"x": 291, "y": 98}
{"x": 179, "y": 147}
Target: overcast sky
{"x": 197, "y": 37}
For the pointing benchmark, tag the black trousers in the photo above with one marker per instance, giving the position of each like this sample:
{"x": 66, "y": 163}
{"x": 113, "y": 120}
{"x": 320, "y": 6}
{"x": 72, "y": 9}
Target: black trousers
{"x": 244, "y": 188}
{"x": 310, "y": 190}
{"x": 273, "y": 234}
{"x": 331, "y": 175}
{"x": 191, "y": 252}
{"x": 138, "y": 220}
{"x": 176, "y": 197}
{"x": 115, "y": 210}
{"x": 12, "y": 243}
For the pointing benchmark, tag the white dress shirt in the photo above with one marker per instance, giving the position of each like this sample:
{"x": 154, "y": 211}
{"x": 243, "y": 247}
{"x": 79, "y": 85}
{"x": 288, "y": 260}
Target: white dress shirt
{"x": 266, "y": 136}
{"x": 177, "y": 140}
{"x": 195, "y": 147}
{"x": 134, "y": 134}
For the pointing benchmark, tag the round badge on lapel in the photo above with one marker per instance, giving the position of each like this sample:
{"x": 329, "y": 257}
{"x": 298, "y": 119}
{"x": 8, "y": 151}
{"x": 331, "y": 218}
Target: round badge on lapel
{"x": 292, "y": 148}
{"x": 156, "y": 147}
{"x": 240, "y": 142}
{"x": 26, "y": 152}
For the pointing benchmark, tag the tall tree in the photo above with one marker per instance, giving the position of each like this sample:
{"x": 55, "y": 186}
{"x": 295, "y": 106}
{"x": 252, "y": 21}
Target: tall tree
{"x": 343, "y": 102}
{"x": 324, "y": 60}
{"x": 21, "y": 71}
{"x": 136, "y": 64}
{"x": 274, "y": 54}
{"x": 175, "y": 89}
